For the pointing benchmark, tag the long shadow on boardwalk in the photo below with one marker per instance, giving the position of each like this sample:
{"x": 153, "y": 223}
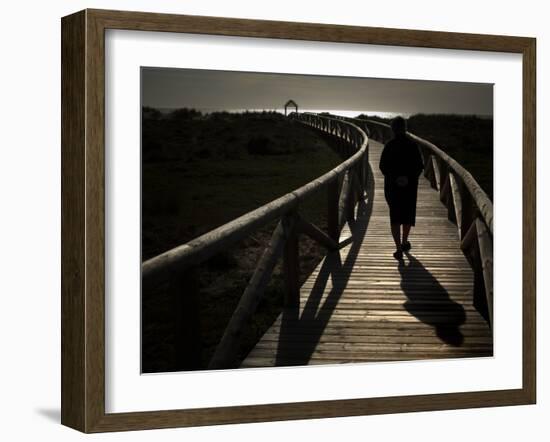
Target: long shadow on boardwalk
{"x": 315, "y": 315}
{"x": 430, "y": 302}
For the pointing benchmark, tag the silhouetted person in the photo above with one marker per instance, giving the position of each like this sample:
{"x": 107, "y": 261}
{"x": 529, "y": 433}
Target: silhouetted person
{"x": 401, "y": 165}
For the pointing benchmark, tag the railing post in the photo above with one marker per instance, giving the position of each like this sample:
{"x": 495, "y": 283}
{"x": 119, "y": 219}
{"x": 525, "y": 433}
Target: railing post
{"x": 351, "y": 196}
{"x": 343, "y": 200}
{"x": 479, "y": 299}
{"x": 485, "y": 244}
{"x": 428, "y": 168}
{"x": 291, "y": 263}
{"x": 476, "y": 245}
{"x": 468, "y": 211}
{"x": 366, "y": 168}
{"x": 437, "y": 175}
{"x": 457, "y": 203}
{"x": 360, "y": 171}
{"x": 225, "y": 355}
{"x": 445, "y": 191}
{"x": 184, "y": 291}
{"x": 333, "y": 194}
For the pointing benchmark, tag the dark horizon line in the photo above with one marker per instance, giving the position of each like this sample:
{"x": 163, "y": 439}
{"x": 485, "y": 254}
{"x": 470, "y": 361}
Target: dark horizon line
{"x": 242, "y": 111}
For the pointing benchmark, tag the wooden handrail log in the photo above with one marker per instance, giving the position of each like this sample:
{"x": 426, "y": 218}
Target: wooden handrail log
{"x": 200, "y": 249}
{"x": 205, "y": 246}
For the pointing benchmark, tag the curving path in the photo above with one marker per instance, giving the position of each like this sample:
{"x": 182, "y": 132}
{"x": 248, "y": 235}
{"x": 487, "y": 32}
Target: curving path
{"x": 360, "y": 305}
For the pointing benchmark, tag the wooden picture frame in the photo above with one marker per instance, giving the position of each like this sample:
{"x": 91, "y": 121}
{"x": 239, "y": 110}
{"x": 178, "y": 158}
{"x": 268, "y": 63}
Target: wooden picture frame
{"x": 83, "y": 220}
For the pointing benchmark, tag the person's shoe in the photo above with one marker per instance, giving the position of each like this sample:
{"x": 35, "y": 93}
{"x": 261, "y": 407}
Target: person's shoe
{"x": 398, "y": 254}
{"x": 406, "y": 246}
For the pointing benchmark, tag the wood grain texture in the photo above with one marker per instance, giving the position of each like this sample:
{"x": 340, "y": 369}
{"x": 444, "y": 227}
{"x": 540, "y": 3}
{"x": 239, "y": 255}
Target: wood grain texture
{"x": 83, "y": 236}
{"x": 529, "y": 220}
{"x": 95, "y": 221}
{"x": 147, "y": 21}
{"x": 73, "y": 254}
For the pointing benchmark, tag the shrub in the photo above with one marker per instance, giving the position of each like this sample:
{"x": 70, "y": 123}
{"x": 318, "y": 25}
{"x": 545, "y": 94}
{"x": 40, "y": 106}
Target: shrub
{"x": 185, "y": 114}
{"x": 151, "y": 113}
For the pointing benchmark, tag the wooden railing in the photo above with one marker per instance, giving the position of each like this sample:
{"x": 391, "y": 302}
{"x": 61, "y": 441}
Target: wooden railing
{"x": 345, "y": 185}
{"x": 467, "y": 204}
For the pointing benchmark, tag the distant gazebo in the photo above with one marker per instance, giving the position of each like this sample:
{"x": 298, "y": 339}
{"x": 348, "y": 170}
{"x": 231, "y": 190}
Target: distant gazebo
{"x": 291, "y": 103}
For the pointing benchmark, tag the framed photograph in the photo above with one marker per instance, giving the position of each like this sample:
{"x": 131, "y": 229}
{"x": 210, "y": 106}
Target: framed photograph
{"x": 270, "y": 220}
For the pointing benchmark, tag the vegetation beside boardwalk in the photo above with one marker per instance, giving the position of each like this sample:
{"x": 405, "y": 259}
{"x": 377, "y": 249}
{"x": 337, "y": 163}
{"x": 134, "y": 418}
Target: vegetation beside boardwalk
{"x": 201, "y": 171}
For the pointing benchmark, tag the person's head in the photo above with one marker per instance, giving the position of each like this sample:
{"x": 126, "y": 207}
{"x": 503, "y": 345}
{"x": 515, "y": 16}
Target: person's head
{"x": 399, "y": 126}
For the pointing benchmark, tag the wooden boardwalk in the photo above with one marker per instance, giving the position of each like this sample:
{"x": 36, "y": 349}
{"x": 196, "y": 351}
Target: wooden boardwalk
{"x": 361, "y": 305}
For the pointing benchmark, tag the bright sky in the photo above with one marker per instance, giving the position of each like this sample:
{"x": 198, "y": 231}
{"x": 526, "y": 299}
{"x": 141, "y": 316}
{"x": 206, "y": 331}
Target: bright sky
{"x": 209, "y": 90}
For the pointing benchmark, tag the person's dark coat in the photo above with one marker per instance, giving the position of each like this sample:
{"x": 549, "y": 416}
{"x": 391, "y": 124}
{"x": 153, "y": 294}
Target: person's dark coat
{"x": 401, "y": 158}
